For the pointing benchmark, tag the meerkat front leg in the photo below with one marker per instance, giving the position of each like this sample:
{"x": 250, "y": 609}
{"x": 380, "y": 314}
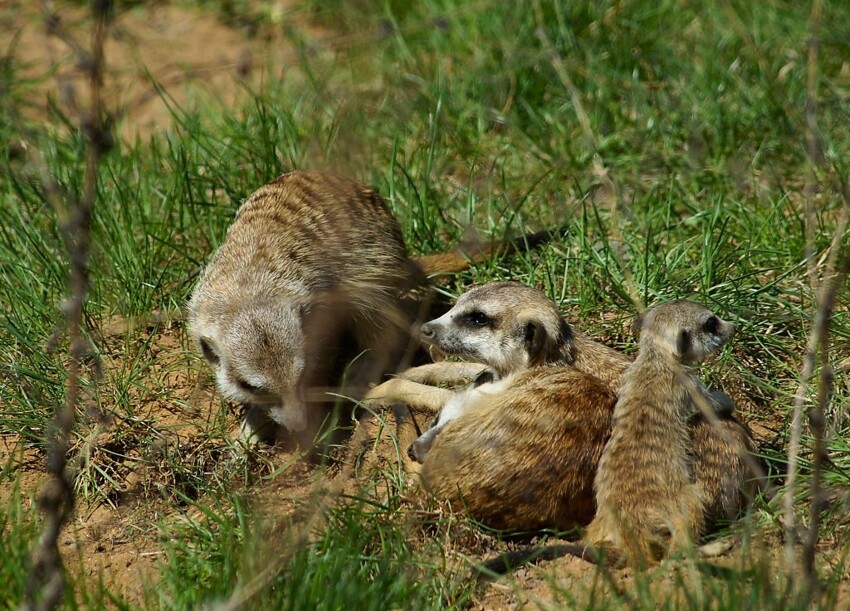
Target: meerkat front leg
{"x": 444, "y": 372}
{"x": 430, "y": 398}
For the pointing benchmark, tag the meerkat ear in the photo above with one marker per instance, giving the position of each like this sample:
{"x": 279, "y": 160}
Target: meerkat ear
{"x": 683, "y": 343}
{"x": 637, "y": 325}
{"x": 537, "y": 342}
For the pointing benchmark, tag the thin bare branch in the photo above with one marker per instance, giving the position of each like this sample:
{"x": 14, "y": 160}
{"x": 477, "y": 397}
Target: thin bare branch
{"x": 46, "y": 581}
{"x": 825, "y": 288}
{"x": 789, "y": 515}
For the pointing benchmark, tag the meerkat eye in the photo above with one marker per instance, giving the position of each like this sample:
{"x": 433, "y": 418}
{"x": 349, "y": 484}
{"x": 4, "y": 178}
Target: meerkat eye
{"x": 208, "y": 351}
{"x": 477, "y": 318}
{"x": 712, "y": 325}
{"x": 248, "y": 387}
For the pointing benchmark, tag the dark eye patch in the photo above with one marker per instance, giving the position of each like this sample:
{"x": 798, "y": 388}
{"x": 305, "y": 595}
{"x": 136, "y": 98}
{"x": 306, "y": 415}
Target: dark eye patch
{"x": 249, "y": 388}
{"x": 712, "y": 325}
{"x": 477, "y": 318}
{"x": 208, "y": 351}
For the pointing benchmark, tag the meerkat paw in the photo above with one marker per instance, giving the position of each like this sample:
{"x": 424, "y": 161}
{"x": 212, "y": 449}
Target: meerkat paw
{"x": 256, "y": 428}
{"x": 427, "y": 397}
{"x": 716, "y": 548}
{"x": 444, "y": 372}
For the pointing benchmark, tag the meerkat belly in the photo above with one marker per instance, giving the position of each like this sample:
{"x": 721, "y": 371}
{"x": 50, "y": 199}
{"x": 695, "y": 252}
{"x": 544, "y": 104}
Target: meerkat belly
{"x": 459, "y": 403}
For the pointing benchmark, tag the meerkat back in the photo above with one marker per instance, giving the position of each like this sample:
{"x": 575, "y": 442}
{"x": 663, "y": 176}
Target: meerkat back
{"x": 526, "y": 459}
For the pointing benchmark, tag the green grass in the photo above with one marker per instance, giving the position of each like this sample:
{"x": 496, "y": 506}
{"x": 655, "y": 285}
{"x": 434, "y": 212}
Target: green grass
{"x": 456, "y": 111}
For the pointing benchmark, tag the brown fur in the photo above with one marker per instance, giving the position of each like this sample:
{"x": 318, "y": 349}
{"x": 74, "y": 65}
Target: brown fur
{"x": 526, "y": 460}
{"x": 645, "y": 492}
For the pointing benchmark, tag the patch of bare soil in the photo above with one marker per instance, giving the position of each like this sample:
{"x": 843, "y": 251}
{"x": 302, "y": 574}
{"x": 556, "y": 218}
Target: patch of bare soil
{"x": 157, "y": 54}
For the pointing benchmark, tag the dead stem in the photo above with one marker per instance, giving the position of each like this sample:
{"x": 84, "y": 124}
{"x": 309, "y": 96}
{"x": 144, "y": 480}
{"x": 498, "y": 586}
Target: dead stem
{"x": 826, "y": 287}
{"x": 46, "y": 581}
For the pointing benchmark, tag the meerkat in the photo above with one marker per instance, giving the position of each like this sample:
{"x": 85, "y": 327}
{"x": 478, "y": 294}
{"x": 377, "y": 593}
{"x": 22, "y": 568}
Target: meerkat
{"x": 646, "y": 496}
{"x": 310, "y": 258}
{"x": 543, "y": 429}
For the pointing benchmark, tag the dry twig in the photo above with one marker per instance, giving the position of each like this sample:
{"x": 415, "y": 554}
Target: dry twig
{"x": 46, "y": 581}
{"x": 825, "y": 288}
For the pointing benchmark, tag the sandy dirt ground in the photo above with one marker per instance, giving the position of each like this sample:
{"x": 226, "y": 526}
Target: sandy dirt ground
{"x": 157, "y": 54}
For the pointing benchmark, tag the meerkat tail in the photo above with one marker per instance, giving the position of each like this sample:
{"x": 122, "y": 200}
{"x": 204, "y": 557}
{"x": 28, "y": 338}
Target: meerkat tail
{"x": 509, "y": 561}
{"x": 463, "y": 256}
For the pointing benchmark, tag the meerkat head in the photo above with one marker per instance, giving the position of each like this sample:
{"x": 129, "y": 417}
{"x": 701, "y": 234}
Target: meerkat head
{"x": 505, "y": 325}
{"x": 684, "y": 329}
{"x": 258, "y": 355}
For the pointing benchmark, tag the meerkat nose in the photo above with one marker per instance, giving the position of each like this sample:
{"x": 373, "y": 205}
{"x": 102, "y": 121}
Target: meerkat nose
{"x": 428, "y": 330}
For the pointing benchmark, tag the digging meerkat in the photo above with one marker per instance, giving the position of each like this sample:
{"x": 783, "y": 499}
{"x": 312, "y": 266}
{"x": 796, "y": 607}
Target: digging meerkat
{"x": 503, "y": 458}
{"x": 310, "y": 258}
{"x": 645, "y": 489}
{"x": 308, "y": 278}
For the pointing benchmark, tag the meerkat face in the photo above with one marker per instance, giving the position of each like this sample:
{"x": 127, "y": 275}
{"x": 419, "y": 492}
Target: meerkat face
{"x": 505, "y": 325}
{"x": 258, "y": 358}
{"x": 687, "y": 330}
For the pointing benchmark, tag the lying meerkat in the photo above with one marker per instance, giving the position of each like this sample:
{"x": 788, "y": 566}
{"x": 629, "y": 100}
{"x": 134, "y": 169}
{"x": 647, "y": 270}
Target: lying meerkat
{"x": 524, "y": 420}
{"x": 309, "y": 277}
{"x": 645, "y": 491}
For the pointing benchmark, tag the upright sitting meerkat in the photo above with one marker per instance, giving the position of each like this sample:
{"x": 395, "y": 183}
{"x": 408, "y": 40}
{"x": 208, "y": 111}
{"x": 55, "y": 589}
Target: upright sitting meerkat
{"x": 310, "y": 258}
{"x": 500, "y": 458}
{"x": 645, "y": 488}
